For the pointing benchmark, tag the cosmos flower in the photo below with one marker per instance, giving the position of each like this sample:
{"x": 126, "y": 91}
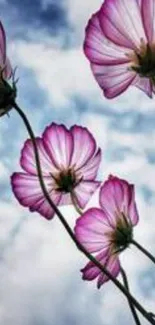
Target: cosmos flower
{"x": 120, "y": 45}
{"x": 69, "y": 160}
{"x": 108, "y": 230}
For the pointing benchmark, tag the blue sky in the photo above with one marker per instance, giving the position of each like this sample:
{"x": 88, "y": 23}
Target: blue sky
{"x": 40, "y": 279}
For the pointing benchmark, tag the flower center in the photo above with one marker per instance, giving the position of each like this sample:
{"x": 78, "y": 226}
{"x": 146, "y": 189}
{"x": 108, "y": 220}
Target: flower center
{"x": 65, "y": 180}
{"x": 122, "y": 235}
{"x": 144, "y": 61}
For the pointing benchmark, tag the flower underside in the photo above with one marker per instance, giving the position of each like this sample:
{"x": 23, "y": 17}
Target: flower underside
{"x": 122, "y": 236}
{"x": 145, "y": 62}
{"x": 8, "y": 93}
{"x": 66, "y": 180}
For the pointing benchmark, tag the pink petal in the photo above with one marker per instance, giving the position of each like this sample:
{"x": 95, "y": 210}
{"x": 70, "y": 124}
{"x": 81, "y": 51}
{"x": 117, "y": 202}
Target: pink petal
{"x": 84, "y": 146}
{"x": 113, "y": 79}
{"x": 113, "y": 267}
{"x": 8, "y": 69}
{"x": 4, "y": 61}
{"x": 139, "y": 2}
{"x": 28, "y": 162}
{"x": 128, "y": 206}
{"x": 98, "y": 49}
{"x": 90, "y": 169}
{"x": 117, "y": 196}
{"x": 144, "y": 84}
{"x": 44, "y": 208}
{"x": 91, "y": 271}
{"x": 121, "y": 22}
{"x": 148, "y": 14}
{"x": 153, "y": 89}
{"x": 111, "y": 197}
{"x": 29, "y": 193}
{"x": 2, "y": 44}
{"x": 92, "y": 230}
{"x": 110, "y": 262}
{"x": 84, "y": 191}
{"x": 58, "y": 143}
{"x": 66, "y": 199}
{"x": 132, "y": 212}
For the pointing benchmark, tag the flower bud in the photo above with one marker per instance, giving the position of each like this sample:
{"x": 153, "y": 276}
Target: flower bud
{"x": 7, "y": 96}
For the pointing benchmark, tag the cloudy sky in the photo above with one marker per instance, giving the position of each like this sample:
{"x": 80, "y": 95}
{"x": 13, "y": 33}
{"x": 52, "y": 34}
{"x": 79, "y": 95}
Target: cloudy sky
{"x": 40, "y": 281}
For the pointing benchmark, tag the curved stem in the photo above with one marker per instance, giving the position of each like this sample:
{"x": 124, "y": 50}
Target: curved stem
{"x": 133, "y": 310}
{"x": 143, "y": 250}
{"x": 145, "y": 314}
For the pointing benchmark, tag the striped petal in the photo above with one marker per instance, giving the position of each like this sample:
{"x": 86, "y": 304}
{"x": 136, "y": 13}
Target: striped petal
{"x": 110, "y": 262}
{"x": 148, "y": 15}
{"x": 144, "y": 84}
{"x": 29, "y": 193}
{"x": 58, "y": 143}
{"x": 98, "y": 48}
{"x": 28, "y": 162}
{"x": 117, "y": 196}
{"x": 84, "y": 146}
{"x": 84, "y": 191}
{"x": 122, "y": 23}
{"x": 92, "y": 230}
{"x": 90, "y": 169}
{"x": 113, "y": 267}
{"x": 113, "y": 79}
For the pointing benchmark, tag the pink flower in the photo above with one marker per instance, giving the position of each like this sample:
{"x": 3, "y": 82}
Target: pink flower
{"x": 120, "y": 44}
{"x": 69, "y": 160}
{"x": 108, "y": 230}
{"x": 5, "y": 65}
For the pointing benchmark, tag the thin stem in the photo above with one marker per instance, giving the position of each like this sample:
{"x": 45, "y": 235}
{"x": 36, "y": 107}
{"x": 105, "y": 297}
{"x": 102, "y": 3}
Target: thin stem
{"x": 143, "y": 250}
{"x": 132, "y": 308}
{"x": 75, "y": 204}
{"x": 145, "y": 314}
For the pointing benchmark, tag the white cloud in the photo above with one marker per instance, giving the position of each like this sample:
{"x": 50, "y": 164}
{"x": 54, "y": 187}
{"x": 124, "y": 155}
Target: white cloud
{"x": 40, "y": 268}
{"x": 79, "y": 12}
{"x": 49, "y": 258}
{"x": 65, "y": 73}
{"x": 3, "y": 172}
{"x": 61, "y": 73}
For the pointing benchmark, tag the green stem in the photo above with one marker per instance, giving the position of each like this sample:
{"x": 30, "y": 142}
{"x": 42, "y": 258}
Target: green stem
{"x": 145, "y": 314}
{"x": 143, "y": 250}
{"x": 75, "y": 204}
{"x": 132, "y": 308}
